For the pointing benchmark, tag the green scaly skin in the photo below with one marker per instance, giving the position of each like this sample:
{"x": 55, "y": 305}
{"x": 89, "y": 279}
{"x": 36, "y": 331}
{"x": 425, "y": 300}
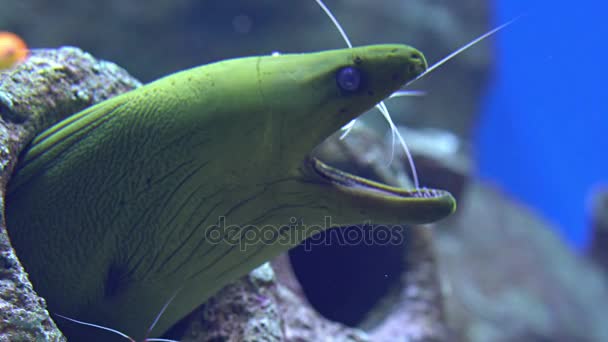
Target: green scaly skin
{"x": 111, "y": 210}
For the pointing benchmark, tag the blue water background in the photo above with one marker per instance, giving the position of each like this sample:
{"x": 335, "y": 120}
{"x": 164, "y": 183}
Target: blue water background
{"x": 543, "y": 132}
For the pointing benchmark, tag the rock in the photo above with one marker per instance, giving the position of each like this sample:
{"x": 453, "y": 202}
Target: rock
{"x": 507, "y": 275}
{"x": 246, "y": 310}
{"x": 599, "y": 221}
{"x": 260, "y": 308}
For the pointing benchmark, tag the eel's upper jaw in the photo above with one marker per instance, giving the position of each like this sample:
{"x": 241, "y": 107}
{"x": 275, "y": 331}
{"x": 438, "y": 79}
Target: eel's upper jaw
{"x": 418, "y": 205}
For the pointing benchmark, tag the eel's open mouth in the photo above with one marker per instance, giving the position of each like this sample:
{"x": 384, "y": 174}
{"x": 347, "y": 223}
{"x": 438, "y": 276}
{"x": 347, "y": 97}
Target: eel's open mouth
{"x": 411, "y": 205}
{"x": 359, "y": 184}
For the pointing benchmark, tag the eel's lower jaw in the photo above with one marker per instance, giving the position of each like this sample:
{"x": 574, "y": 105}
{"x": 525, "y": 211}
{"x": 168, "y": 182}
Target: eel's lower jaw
{"x": 436, "y": 203}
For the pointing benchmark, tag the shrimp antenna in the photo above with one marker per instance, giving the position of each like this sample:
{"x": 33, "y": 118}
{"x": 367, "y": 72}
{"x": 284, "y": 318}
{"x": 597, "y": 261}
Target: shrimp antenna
{"x": 158, "y": 317}
{"x": 381, "y": 107}
{"x": 98, "y": 327}
{"x": 335, "y": 22}
{"x": 404, "y": 93}
{"x": 465, "y": 47}
{"x": 125, "y": 335}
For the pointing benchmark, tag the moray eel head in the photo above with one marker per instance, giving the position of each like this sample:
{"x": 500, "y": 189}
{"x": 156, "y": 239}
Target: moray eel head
{"x": 166, "y": 188}
{"x": 312, "y": 100}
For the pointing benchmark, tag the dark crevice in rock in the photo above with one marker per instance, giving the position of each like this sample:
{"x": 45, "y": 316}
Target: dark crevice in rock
{"x": 345, "y": 277}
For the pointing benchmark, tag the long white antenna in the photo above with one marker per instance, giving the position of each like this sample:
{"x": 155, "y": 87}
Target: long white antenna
{"x": 381, "y": 106}
{"x": 465, "y": 47}
{"x": 154, "y": 339}
{"x": 158, "y": 317}
{"x": 336, "y": 23}
{"x": 98, "y": 327}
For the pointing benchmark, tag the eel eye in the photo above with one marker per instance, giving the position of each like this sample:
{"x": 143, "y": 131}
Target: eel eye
{"x": 349, "y": 79}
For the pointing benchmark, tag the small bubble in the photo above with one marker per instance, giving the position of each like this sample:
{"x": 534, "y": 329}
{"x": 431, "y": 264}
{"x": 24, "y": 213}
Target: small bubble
{"x": 242, "y": 24}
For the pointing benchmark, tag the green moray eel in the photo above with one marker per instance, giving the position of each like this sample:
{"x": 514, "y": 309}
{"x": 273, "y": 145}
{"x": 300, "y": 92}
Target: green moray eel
{"x": 165, "y": 187}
